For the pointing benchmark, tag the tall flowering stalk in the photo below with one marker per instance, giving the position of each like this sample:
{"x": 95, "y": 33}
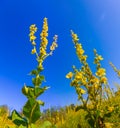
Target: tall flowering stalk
{"x": 88, "y": 84}
{"x": 31, "y": 109}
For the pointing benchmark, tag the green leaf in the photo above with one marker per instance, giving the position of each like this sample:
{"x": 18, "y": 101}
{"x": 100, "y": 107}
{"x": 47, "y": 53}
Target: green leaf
{"x": 34, "y": 72}
{"x": 42, "y": 78}
{"x": 40, "y": 102}
{"x": 17, "y": 119}
{"x": 28, "y": 91}
{"x": 38, "y": 91}
{"x": 32, "y": 110}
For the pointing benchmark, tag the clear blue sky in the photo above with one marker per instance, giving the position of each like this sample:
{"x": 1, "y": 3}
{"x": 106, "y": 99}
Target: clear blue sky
{"x": 97, "y": 23}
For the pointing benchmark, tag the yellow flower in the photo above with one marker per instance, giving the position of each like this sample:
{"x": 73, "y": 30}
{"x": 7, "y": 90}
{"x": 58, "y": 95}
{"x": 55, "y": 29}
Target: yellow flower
{"x": 69, "y": 75}
{"x": 32, "y": 38}
{"x": 33, "y": 43}
{"x": 80, "y": 51}
{"x": 78, "y": 76}
{"x": 101, "y": 72}
{"x": 42, "y": 51}
{"x": 110, "y": 109}
{"x": 99, "y": 57}
{"x": 103, "y": 80}
{"x": 74, "y": 36}
{"x": 96, "y": 86}
{"x": 33, "y": 51}
{"x": 33, "y": 28}
{"x": 82, "y": 91}
{"x": 94, "y": 80}
{"x": 83, "y": 58}
{"x": 53, "y": 46}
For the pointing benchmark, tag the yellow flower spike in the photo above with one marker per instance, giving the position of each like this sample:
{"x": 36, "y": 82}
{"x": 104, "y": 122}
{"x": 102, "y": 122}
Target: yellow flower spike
{"x": 69, "y": 75}
{"x": 43, "y": 38}
{"x": 54, "y": 44}
{"x": 74, "y": 36}
{"x": 33, "y": 51}
{"x": 101, "y": 72}
{"x": 33, "y": 29}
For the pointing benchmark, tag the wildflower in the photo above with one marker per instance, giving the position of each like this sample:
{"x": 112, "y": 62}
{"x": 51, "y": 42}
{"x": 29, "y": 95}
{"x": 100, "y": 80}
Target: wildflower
{"x": 75, "y": 37}
{"x": 94, "y": 80}
{"x": 79, "y": 49}
{"x": 110, "y": 109}
{"x": 33, "y": 43}
{"x": 99, "y": 57}
{"x": 42, "y": 51}
{"x": 83, "y": 58}
{"x": 32, "y": 38}
{"x": 33, "y": 29}
{"x": 103, "y": 80}
{"x": 69, "y": 75}
{"x": 78, "y": 76}
{"x": 44, "y": 40}
{"x": 101, "y": 72}
{"x": 82, "y": 91}
{"x": 96, "y": 86}
{"x": 33, "y": 51}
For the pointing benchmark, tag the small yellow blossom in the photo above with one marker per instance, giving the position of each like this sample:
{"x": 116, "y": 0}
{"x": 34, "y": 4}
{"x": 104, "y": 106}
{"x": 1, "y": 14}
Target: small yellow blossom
{"x": 110, "y": 109}
{"x": 80, "y": 51}
{"x": 99, "y": 57}
{"x": 103, "y": 80}
{"x": 32, "y": 38}
{"x": 101, "y": 72}
{"x": 82, "y": 91}
{"x": 96, "y": 86}
{"x": 94, "y": 80}
{"x": 69, "y": 75}
{"x": 33, "y": 43}
{"x": 83, "y": 58}
{"x": 74, "y": 36}
{"x": 53, "y": 46}
{"x": 42, "y": 51}
{"x": 33, "y": 51}
{"x": 78, "y": 76}
{"x": 33, "y": 28}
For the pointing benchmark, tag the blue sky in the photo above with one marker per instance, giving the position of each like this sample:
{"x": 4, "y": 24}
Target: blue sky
{"x": 97, "y": 24}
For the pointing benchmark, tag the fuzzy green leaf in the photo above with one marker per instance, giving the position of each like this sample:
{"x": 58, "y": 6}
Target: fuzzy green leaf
{"x": 32, "y": 110}
{"x": 18, "y": 119}
{"x": 28, "y": 91}
{"x": 34, "y": 72}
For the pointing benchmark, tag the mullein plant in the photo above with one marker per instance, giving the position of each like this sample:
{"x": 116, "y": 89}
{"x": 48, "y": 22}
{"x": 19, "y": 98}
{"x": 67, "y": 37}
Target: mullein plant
{"x": 31, "y": 109}
{"x": 88, "y": 85}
